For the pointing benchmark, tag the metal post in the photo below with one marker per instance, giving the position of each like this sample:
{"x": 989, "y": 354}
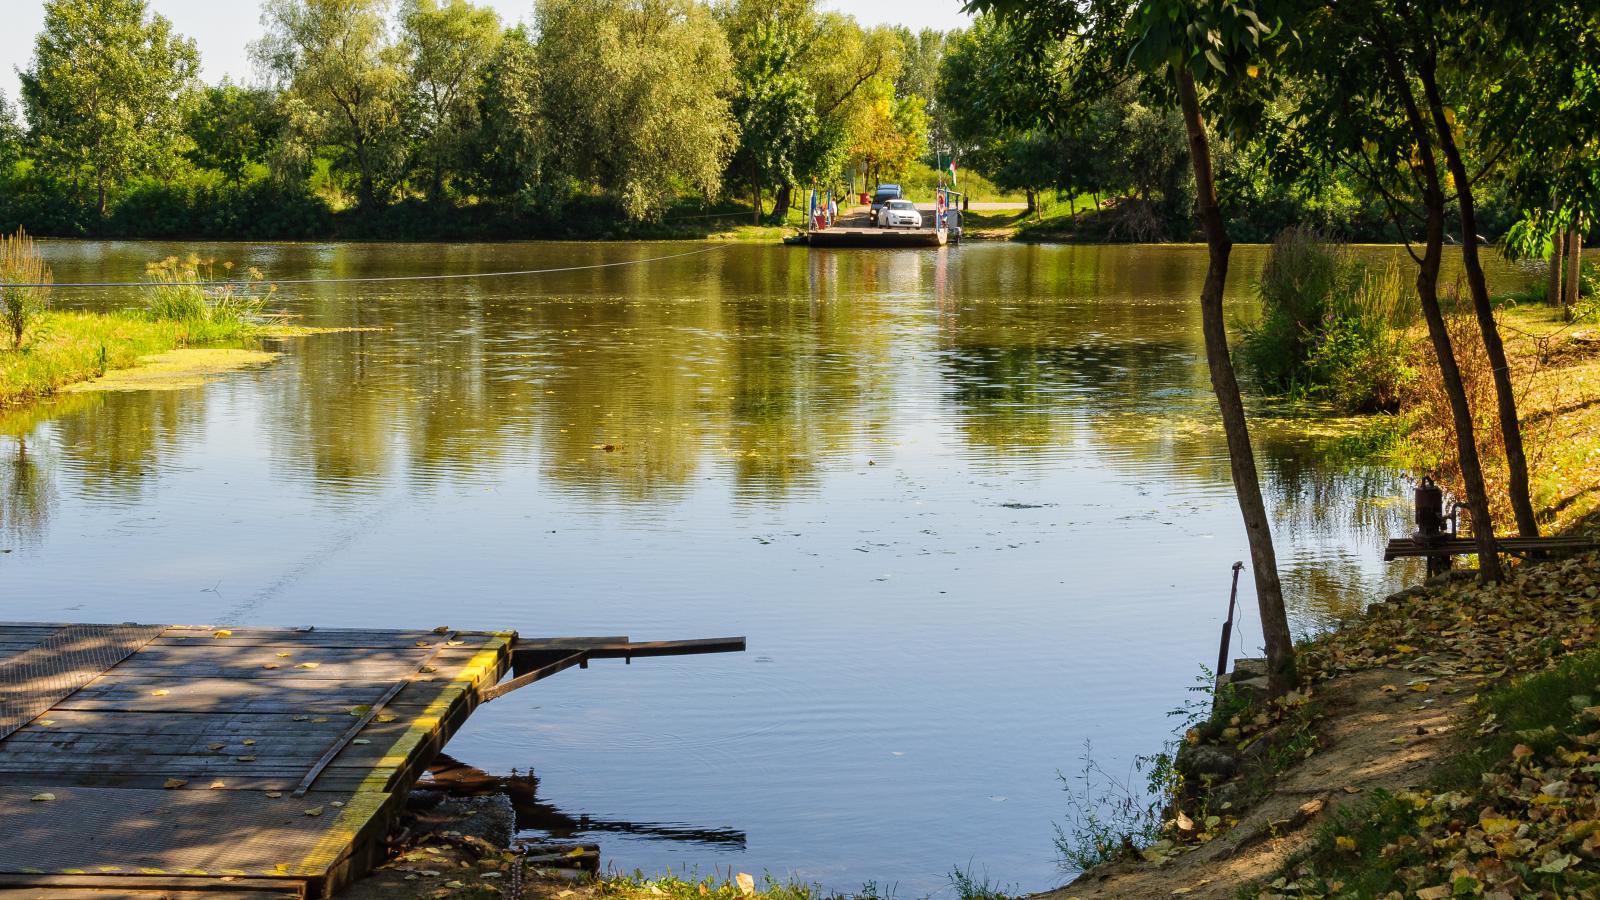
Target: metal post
{"x": 1430, "y": 519}
{"x": 1227, "y": 633}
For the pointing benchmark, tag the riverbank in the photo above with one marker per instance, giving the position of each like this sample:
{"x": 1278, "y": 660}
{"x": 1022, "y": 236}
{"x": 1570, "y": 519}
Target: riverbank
{"x": 1444, "y": 743}
{"x": 125, "y": 351}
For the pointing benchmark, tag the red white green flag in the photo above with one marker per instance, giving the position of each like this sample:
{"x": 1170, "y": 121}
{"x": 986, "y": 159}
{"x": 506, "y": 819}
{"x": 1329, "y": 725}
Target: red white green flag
{"x": 952, "y": 170}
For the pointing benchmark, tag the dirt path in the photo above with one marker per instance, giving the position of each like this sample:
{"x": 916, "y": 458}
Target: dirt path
{"x": 1376, "y": 733}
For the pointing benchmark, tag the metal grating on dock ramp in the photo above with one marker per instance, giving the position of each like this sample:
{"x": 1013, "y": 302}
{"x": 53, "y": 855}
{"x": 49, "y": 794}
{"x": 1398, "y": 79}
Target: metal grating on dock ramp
{"x": 61, "y": 661}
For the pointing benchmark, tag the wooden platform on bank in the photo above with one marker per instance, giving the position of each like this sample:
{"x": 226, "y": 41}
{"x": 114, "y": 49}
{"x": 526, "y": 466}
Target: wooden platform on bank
{"x": 1398, "y": 548}
{"x": 153, "y": 760}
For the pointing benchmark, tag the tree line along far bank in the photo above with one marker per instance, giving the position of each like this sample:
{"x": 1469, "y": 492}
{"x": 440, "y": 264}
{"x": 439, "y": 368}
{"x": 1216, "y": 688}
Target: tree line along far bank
{"x": 602, "y": 118}
{"x": 433, "y": 118}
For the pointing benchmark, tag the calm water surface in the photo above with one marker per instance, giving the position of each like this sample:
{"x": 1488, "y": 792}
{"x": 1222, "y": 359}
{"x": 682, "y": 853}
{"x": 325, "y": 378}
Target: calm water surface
{"x": 969, "y": 506}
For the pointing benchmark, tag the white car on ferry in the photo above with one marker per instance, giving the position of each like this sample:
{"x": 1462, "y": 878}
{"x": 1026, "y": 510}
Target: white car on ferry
{"x": 899, "y": 214}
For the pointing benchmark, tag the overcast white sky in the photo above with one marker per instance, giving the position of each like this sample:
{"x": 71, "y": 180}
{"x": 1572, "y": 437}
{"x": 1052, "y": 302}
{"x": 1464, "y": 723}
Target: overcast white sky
{"x": 222, "y": 28}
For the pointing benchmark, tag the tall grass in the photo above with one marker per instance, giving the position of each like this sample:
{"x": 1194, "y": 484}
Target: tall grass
{"x": 177, "y": 291}
{"x": 1332, "y": 328}
{"x": 21, "y": 263}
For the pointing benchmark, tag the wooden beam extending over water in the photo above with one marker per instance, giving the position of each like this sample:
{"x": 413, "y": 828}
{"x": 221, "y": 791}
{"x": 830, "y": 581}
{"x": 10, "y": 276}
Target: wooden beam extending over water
{"x": 234, "y": 762}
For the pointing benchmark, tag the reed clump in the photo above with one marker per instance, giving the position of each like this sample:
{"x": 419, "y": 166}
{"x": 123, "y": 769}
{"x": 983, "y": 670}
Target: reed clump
{"x": 21, "y": 263}
{"x": 212, "y": 306}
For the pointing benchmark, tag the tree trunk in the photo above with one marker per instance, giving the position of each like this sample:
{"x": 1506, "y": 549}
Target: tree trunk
{"x": 1574, "y": 268}
{"x": 1241, "y": 458}
{"x": 100, "y": 194}
{"x": 1558, "y": 252}
{"x": 1439, "y": 334}
{"x": 785, "y": 199}
{"x": 1505, "y": 394}
{"x": 1032, "y": 206}
{"x": 757, "y": 215}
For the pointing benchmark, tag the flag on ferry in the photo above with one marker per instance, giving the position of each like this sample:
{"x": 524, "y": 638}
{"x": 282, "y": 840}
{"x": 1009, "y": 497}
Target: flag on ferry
{"x": 952, "y": 170}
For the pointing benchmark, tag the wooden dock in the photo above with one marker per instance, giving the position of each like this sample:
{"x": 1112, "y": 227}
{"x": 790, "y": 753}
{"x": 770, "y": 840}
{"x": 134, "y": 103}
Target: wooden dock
{"x": 147, "y": 761}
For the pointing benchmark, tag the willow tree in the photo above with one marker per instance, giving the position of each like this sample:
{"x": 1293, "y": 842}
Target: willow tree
{"x": 1177, "y": 44}
{"x": 104, "y": 94}
{"x": 448, "y": 45}
{"x": 638, "y": 91}
{"x": 344, "y": 84}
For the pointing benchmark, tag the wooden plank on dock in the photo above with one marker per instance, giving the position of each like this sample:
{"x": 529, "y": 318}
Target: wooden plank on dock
{"x": 1398, "y": 548}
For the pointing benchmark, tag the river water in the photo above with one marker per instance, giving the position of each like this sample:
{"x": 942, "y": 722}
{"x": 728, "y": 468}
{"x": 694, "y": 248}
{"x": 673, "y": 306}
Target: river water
{"x": 970, "y": 507}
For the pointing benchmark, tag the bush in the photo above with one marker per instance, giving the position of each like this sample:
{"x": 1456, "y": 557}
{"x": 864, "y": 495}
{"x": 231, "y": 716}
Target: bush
{"x": 1331, "y": 328}
{"x": 21, "y": 263}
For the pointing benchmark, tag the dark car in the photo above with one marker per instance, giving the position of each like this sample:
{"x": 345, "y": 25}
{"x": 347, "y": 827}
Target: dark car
{"x": 884, "y": 194}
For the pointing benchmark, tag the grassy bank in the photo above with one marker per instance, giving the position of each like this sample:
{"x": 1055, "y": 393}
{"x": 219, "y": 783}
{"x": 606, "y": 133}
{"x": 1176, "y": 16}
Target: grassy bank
{"x": 69, "y": 347}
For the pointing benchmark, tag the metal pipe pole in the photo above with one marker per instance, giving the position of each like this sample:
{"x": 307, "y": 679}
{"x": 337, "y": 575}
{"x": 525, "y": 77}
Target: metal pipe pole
{"x": 1227, "y": 632}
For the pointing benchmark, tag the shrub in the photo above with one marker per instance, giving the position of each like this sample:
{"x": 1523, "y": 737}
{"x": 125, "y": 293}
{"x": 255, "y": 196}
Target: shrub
{"x": 21, "y": 263}
{"x": 178, "y": 291}
{"x": 1331, "y": 328}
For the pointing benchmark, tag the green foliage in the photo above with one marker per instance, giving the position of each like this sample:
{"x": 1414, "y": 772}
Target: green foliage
{"x": 344, "y": 86}
{"x": 10, "y": 136}
{"x": 448, "y": 46}
{"x": 640, "y": 90}
{"x": 505, "y": 153}
{"x": 1330, "y": 329}
{"x": 969, "y": 885}
{"x": 72, "y": 346}
{"x": 774, "y": 107}
{"x": 232, "y": 130}
{"x": 21, "y": 263}
{"x": 104, "y": 94}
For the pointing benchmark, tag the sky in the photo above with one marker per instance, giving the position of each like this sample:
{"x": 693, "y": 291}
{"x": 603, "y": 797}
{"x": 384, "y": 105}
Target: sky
{"x": 222, "y": 28}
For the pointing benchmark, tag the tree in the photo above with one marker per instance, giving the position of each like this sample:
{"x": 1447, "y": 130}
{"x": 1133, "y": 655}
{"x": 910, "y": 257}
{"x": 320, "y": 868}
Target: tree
{"x": 640, "y": 89}
{"x": 831, "y": 56}
{"x": 1434, "y": 30}
{"x": 892, "y": 135}
{"x": 1540, "y": 106}
{"x": 448, "y": 46}
{"x": 1357, "y": 106}
{"x": 773, "y": 106}
{"x": 104, "y": 95}
{"x": 232, "y": 128}
{"x": 508, "y": 147}
{"x": 1178, "y": 40}
{"x": 920, "y": 54}
{"x": 343, "y": 83}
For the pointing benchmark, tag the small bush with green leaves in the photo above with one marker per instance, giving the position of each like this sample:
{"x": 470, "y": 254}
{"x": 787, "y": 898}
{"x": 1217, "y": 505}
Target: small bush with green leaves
{"x": 1331, "y": 329}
